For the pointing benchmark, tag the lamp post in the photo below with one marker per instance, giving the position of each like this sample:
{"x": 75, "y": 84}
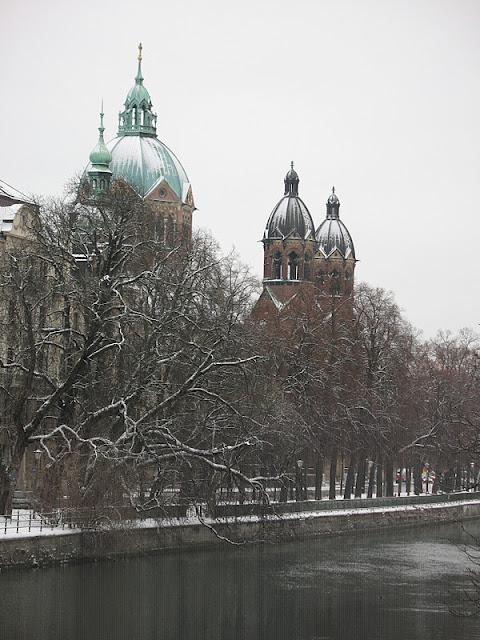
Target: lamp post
{"x": 37, "y": 454}
{"x": 298, "y": 481}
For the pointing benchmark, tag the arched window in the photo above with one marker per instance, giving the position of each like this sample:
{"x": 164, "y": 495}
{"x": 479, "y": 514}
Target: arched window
{"x": 102, "y": 185}
{"x": 277, "y": 266}
{"x": 348, "y": 274}
{"x": 293, "y": 266}
{"x": 307, "y": 267}
{"x": 321, "y": 277}
{"x": 335, "y": 283}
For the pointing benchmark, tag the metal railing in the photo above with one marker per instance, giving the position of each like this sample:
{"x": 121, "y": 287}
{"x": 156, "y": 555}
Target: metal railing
{"x": 84, "y": 518}
{"x": 31, "y": 521}
{"x": 95, "y": 518}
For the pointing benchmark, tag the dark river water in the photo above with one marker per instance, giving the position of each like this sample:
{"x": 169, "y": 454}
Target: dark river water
{"x": 383, "y": 586}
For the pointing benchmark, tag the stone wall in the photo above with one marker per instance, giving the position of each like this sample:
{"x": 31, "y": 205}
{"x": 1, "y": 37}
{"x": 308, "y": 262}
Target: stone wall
{"x": 118, "y": 542}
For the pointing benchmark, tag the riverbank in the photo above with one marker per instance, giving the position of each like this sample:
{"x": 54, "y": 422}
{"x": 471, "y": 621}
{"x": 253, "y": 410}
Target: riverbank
{"x": 150, "y": 536}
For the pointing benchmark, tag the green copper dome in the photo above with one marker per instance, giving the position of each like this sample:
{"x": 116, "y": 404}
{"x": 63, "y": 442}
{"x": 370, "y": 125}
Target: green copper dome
{"x": 144, "y": 161}
{"x": 100, "y": 156}
{"x": 136, "y": 155}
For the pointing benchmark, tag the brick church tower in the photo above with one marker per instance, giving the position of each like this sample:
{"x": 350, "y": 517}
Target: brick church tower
{"x": 334, "y": 262}
{"x": 303, "y": 268}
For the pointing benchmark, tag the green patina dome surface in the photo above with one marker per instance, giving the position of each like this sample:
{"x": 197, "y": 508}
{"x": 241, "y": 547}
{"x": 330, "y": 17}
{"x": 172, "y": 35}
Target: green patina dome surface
{"x": 143, "y": 161}
{"x": 101, "y": 155}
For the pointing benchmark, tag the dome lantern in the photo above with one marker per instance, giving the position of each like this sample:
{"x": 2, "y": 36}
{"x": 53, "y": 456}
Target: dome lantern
{"x": 333, "y": 205}
{"x": 138, "y": 118}
{"x": 291, "y": 182}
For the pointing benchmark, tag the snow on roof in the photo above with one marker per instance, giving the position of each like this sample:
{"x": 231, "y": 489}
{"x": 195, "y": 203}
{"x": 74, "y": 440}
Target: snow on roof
{"x": 7, "y": 216}
{"x": 279, "y": 304}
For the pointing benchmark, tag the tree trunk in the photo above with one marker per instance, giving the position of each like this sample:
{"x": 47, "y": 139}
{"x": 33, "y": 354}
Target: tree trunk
{"x": 458, "y": 477}
{"x": 298, "y": 483}
{"x": 436, "y": 482}
{"x": 379, "y": 478}
{"x": 8, "y": 481}
{"x": 342, "y": 473}
{"x": 350, "y": 478}
{"x": 333, "y": 473}
{"x": 371, "y": 480}
{"x": 360, "y": 483}
{"x": 389, "y": 477}
{"x": 408, "y": 479}
{"x": 6, "y": 492}
{"x": 318, "y": 477}
{"x": 448, "y": 480}
{"x": 417, "y": 478}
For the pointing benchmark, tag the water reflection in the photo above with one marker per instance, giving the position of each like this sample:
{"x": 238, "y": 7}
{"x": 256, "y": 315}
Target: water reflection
{"x": 385, "y": 586}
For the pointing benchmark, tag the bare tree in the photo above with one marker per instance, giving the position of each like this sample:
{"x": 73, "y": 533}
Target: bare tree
{"x": 122, "y": 355}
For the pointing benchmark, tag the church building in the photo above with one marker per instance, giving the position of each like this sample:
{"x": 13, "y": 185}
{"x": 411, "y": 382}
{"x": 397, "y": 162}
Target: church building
{"x": 138, "y": 157}
{"x": 303, "y": 266}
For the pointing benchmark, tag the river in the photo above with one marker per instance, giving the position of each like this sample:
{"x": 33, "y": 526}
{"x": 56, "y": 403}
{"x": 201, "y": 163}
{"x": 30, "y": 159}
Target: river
{"x": 390, "y": 585}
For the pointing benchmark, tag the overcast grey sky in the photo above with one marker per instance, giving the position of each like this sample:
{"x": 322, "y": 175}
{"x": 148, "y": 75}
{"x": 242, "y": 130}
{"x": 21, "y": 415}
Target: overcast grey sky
{"x": 380, "y": 98}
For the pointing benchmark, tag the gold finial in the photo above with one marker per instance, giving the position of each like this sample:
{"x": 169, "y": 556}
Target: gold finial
{"x": 291, "y": 165}
{"x": 333, "y": 189}
{"x": 140, "y": 51}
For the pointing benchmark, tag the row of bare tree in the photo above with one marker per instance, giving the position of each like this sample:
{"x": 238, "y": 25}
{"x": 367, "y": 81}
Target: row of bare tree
{"x": 136, "y": 372}
{"x": 374, "y": 393}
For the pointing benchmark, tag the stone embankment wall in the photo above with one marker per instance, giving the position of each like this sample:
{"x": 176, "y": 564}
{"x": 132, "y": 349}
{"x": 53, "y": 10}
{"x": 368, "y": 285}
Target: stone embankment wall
{"x": 116, "y": 542}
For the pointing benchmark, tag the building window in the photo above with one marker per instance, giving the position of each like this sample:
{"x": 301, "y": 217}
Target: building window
{"x": 277, "y": 266}
{"x": 321, "y": 277}
{"x": 293, "y": 266}
{"x": 335, "y": 283}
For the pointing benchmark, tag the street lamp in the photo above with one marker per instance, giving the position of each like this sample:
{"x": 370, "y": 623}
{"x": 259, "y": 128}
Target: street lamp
{"x": 37, "y": 454}
{"x": 300, "y": 482}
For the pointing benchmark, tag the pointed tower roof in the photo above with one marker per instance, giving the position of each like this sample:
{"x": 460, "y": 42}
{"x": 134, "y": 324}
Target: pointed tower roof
{"x": 101, "y": 157}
